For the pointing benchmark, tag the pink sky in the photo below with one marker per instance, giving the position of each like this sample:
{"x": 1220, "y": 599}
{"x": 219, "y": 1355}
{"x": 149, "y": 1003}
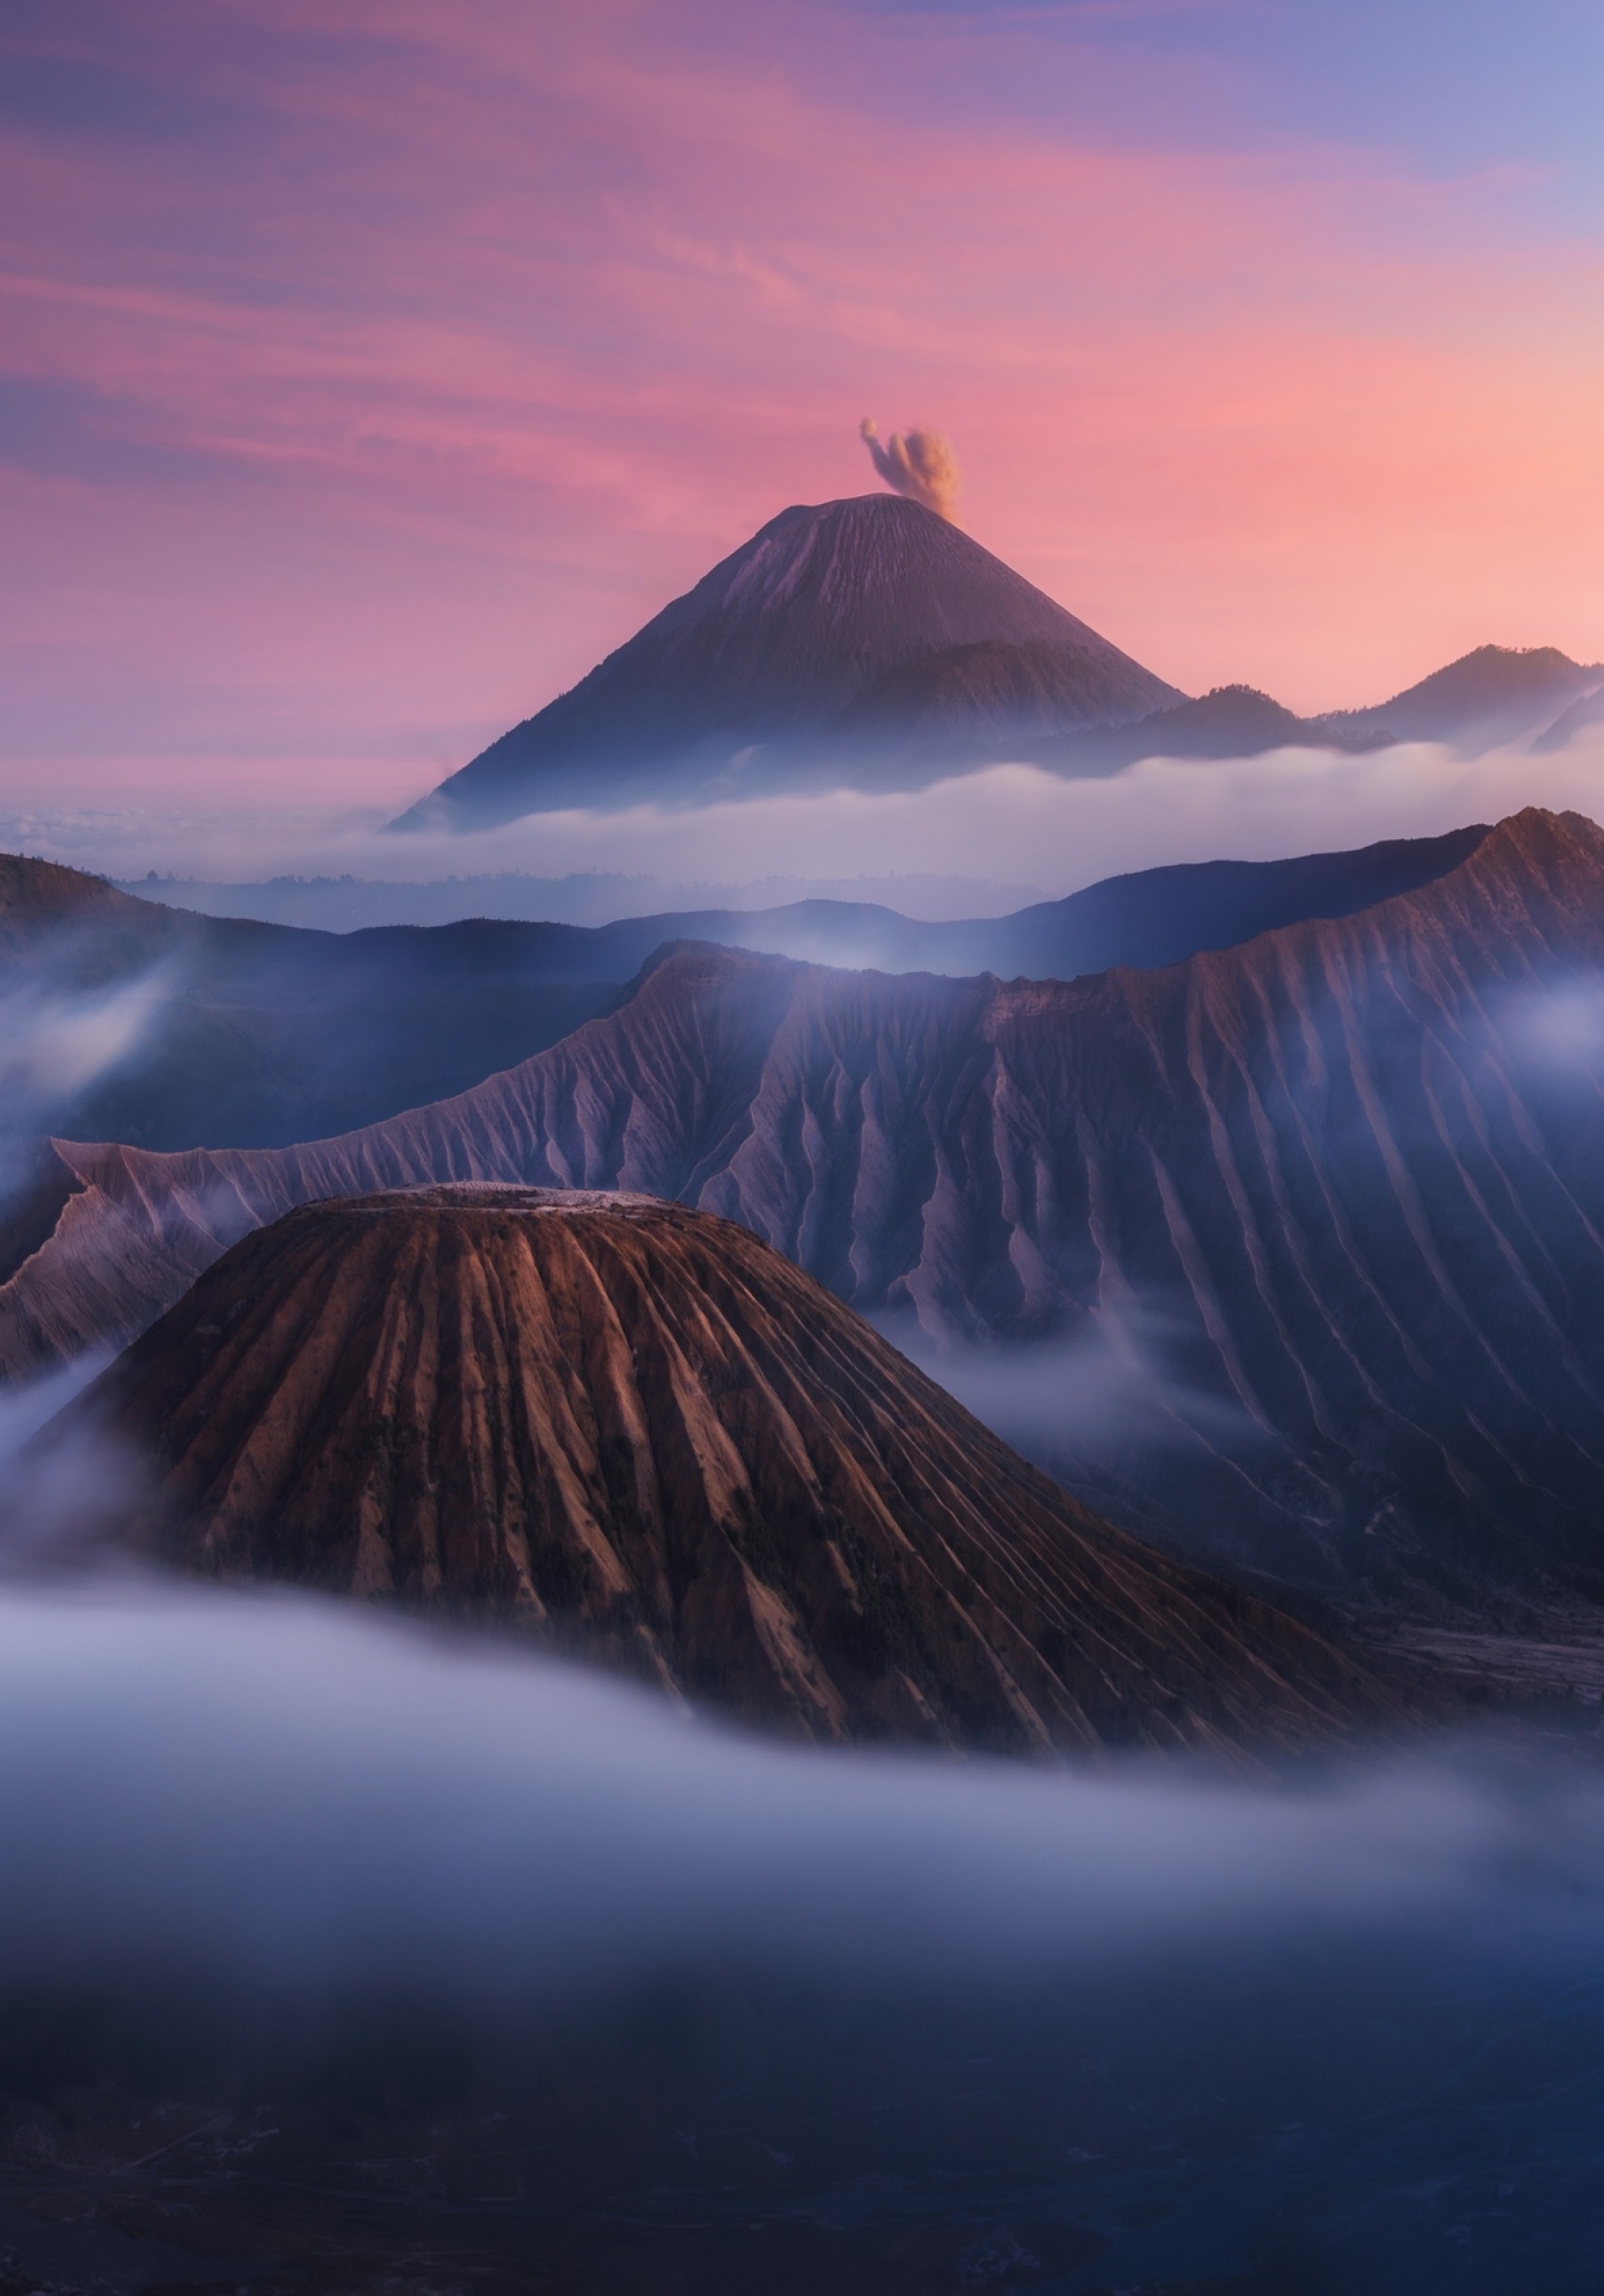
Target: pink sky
{"x": 395, "y": 363}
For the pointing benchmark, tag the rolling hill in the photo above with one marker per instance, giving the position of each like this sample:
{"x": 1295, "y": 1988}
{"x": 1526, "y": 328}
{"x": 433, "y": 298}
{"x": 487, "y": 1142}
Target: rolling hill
{"x": 243, "y": 1034}
{"x": 224, "y": 1032}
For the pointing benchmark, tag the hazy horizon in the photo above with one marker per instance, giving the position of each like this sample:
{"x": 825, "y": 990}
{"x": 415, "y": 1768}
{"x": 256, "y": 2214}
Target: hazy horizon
{"x": 1014, "y": 829}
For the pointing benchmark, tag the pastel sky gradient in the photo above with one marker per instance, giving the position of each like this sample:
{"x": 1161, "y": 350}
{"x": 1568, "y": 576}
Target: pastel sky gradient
{"x": 366, "y": 370}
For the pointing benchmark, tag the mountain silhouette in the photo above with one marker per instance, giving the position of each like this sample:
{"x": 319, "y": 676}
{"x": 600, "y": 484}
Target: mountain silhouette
{"x": 870, "y": 645}
{"x": 254, "y": 1034}
{"x": 260, "y": 1034}
{"x": 1581, "y": 714}
{"x": 1492, "y": 695}
{"x": 838, "y": 638}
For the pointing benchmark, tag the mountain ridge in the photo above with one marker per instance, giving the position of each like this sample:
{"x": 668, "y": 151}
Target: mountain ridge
{"x": 868, "y": 644}
{"x": 1491, "y": 695}
{"x": 1143, "y": 917}
{"x": 252, "y": 1034}
{"x": 1337, "y": 1192}
{"x": 257, "y": 1035}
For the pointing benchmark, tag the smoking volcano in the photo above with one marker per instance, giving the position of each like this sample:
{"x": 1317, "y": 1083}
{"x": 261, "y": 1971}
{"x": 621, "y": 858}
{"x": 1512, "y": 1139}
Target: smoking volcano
{"x": 870, "y": 644}
{"x": 864, "y": 642}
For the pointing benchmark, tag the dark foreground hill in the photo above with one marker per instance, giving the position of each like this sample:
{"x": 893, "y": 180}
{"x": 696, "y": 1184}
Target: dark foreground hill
{"x": 1302, "y": 1242}
{"x": 642, "y": 1434}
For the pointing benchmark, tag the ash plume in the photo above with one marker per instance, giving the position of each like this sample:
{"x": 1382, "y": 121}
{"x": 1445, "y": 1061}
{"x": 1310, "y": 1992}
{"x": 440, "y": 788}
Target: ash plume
{"x": 922, "y": 466}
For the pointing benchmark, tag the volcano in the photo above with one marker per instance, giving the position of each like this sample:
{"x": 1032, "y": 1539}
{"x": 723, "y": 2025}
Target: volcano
{"x": 640, "y": 1433}
{"x": 870, "y": 645}
{"x": 865, "y": 641}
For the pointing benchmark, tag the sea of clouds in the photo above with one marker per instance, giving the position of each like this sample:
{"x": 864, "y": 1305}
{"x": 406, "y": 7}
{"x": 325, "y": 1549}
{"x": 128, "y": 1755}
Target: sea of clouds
{"x": 289, "y": 1789}
{"x": 1011, "y": 826}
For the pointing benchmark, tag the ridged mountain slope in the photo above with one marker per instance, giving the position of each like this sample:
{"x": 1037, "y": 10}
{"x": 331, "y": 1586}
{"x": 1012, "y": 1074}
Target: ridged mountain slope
{"x": 1330, "y": 1203}
{"x": 251, "y": 1035}
{"x": 644, "y": 1436}
{"x": 753, "y": 677}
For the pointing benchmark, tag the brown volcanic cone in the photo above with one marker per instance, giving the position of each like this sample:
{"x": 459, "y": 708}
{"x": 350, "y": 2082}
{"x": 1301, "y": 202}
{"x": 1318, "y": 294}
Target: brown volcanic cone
{"x": 639, "y": 1431}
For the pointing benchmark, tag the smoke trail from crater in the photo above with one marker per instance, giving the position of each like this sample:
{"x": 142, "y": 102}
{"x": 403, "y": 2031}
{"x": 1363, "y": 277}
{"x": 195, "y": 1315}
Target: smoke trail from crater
{"x": 922, "y": 466}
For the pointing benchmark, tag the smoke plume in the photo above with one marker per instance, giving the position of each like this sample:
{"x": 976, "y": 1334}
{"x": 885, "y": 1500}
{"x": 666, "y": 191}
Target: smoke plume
{"x": 923, "y": 466}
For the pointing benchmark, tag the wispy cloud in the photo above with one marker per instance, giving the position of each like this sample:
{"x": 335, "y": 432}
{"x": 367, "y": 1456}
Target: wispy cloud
{"x": 55, "y": 1041}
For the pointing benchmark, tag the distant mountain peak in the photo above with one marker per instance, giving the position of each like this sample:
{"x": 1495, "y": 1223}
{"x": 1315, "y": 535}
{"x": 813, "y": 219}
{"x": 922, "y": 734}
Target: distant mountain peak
{"x": 870, "y": 644}
{"x": 1491, "y": 695}
{"x": 771, "y": 652}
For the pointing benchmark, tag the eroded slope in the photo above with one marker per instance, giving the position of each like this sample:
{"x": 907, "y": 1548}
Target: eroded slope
{"x": 640, "y": 1433}
{"x": 1335, "y": 1199}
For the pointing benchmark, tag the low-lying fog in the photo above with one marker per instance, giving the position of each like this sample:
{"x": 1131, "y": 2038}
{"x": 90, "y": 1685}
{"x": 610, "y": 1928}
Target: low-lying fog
{"x": 292, "y": 1784}
{"x": 297, "y": 1795}
{"x": 1336, "y": 1987}
{"x": 55, "y": 1041}
{"x": 1013, "y": 826}
{"x": 290, "y": 1788}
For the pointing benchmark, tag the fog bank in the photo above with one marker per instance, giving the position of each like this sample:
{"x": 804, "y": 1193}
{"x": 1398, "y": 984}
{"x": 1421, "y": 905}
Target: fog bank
{"x": 289, "y": 1789}
{"x": 1012, "y": 824}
